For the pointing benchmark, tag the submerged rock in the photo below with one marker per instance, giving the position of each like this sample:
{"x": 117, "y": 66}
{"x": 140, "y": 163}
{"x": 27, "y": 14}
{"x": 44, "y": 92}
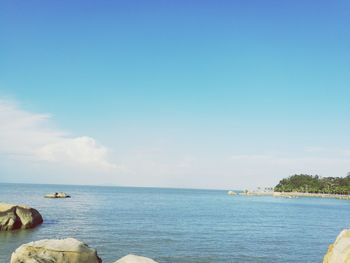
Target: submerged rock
{"x": 67, "y": 250}
{"x": 18, "y": 217}
{"x": 339, "y": 251}
{"x": 135, "y": 259}
{"x": 57, "y": 195}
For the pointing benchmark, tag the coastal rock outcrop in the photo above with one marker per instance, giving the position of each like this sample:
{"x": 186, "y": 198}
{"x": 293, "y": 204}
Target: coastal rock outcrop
{"x": 18, "y": 217}
{"x": 339, "y": 251}
{"x": 231, "y": 193}
{"x": 135, "y": 259}
{"x": 67, "y": 250}
{"x": 57, "y": 195}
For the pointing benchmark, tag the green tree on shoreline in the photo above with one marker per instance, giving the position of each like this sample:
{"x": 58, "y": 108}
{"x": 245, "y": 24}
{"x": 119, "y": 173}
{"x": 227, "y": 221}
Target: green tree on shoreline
{"x": 305, "y": 183}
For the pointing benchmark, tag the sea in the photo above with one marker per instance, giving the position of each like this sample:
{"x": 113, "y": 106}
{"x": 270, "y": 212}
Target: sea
{"x": 180, "y": 225}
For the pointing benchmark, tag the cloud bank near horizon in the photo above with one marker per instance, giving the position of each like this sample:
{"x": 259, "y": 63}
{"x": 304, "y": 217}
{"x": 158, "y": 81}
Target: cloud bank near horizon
{"x": 32, "y": 150}
{"x": 29, "y": 136}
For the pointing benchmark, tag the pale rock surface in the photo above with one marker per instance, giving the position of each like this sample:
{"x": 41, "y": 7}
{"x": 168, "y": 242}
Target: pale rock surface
{"x": 135, "y": 259}
{"x": 57, "y": 195}
{"x": 67, "y": 250}
{"x": 339, "y": 251}
{"x": 18, "y": 217}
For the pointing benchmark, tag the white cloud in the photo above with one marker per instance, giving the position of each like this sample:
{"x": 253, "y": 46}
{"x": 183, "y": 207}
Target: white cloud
{"x": 83, "y": 150}
{"x": 32, "y": 150}
{"x": 314, "y": 149}
{"x": 29, "y": 135}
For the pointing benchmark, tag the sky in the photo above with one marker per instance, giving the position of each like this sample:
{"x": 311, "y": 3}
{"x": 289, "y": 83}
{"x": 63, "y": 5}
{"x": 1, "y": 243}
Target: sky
{"x": 194, "y": 94}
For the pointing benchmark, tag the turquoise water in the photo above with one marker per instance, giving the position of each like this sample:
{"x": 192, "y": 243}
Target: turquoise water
{"x": 177, "y": 225}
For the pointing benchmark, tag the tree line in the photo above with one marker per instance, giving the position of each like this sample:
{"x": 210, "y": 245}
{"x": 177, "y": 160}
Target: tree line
{"x": 314, "y": 184}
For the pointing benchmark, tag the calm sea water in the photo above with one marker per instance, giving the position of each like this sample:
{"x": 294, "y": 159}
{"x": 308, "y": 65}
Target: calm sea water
{"x": 177, "y": 225}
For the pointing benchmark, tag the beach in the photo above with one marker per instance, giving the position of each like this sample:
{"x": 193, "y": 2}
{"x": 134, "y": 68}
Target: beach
{"x": 295, "y": 194}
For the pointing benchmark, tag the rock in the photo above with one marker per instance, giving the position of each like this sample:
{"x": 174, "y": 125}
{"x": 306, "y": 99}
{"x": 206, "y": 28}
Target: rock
{"x": 67, "y": 250}
{"x": 18, "y": 217}
{"x": 135, "y": 259}
{"x": 57, "y": 195}
{"x": 231, "y": 193}
{"x": 339, "y": 251}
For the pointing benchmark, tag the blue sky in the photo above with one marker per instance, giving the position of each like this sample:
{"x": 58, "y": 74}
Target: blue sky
{"x": 215, "y": 87}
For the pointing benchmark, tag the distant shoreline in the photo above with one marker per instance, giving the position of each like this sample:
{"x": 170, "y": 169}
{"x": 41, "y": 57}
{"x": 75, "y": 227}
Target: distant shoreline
{"x": 296, "y": 195}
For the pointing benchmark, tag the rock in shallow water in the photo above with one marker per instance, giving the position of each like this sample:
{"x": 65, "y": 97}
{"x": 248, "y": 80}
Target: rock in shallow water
{"x": 339, "y": 251}
{"x": 18, "y": 217}
{"x": 67, "y": 250}
{"x": 135, "y": 259}
{"x": 57, "y": 195}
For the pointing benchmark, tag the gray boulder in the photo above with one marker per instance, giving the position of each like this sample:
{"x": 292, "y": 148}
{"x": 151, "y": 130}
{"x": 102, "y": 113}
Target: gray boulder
{"x": 18, "y": 217}
{"x": 339, "y": 251}
{"x": 67, "y": 250}
{"x": 57, "y": 195}
{"x": 135, "y": 259}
